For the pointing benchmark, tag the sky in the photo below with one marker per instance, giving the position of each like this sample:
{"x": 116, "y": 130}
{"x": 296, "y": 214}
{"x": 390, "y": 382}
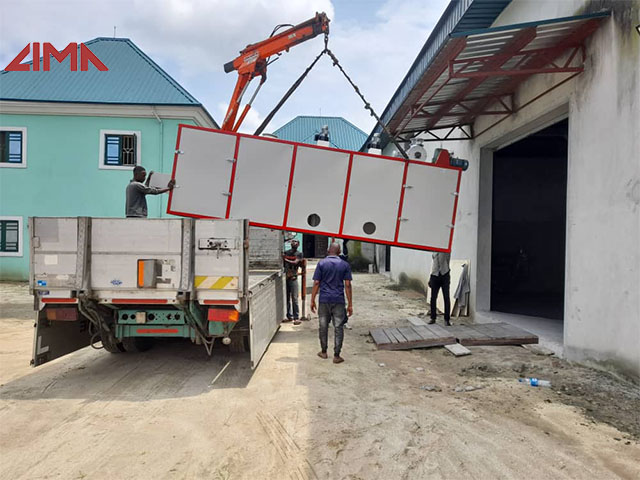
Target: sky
{"x": 376, "y": 42}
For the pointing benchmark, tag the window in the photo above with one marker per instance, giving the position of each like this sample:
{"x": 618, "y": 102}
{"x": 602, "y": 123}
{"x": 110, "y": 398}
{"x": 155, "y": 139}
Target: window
{"x": 11, "y": 236}
{"x": 119, "y": 149}
{"x": 13, "y": 142}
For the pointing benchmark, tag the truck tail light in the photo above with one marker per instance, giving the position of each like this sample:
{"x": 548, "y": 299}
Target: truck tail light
{"x": 222, "y": 315}
{"x": 68, "y": 314}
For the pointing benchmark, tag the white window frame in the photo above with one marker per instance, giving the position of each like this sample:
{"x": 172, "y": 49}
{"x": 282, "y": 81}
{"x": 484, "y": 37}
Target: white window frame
{"x": 20, "y": 237}
{"x": 24, "y": 147}
{"x": 103, "y": 133}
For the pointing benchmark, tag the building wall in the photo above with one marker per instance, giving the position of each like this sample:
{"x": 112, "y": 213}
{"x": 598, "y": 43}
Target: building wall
{"x": 602, "y": 271}
{"x": 62, "y": 177}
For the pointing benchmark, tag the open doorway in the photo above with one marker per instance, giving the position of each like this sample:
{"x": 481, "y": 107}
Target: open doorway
{"x": 529, "y": 224}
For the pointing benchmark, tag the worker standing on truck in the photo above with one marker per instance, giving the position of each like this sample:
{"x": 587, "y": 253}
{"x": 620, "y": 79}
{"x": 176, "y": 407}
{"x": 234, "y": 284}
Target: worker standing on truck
{"x": 137, "y": 190}
{"x": 440, "y": 279}
{"x": 292, "y": 262}
{"x": 332, "y": 278}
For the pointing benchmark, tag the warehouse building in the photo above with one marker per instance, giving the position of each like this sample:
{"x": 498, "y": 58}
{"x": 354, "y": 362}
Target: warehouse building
{"x": 543, "y": 99}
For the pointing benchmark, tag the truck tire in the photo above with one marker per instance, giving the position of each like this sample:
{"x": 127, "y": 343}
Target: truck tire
{"x": 137, "y": 344}
{"x": 111, "y": 344}
{"x": 239, "y": 343}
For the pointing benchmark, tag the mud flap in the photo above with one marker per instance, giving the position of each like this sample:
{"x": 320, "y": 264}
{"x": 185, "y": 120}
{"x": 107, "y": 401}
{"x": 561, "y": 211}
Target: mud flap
{"x": 266, "y": 311}
{"x": 54, "y": 339}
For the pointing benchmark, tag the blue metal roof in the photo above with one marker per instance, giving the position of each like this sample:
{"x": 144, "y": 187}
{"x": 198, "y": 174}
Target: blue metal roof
{"x": 133, "y": 78}
{"x": 460, "y": 15}
{"x": 342, "y": 134}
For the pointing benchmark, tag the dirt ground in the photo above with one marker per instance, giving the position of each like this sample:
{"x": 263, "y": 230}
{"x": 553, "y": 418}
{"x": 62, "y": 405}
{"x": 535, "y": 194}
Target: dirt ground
{"x": 170, "y": 413}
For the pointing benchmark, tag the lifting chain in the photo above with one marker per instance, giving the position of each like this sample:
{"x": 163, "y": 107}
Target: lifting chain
{"x": 336, "y": 63}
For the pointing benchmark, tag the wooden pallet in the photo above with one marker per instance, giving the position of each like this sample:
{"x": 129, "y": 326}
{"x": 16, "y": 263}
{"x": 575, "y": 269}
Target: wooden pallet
{"x": 420, "y": 335}
{"x": 491, "y": 334}
{"x": 405, "y": 338}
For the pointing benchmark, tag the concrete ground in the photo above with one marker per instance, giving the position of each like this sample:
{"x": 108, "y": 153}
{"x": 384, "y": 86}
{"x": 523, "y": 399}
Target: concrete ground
{"x": 170, "y": 413}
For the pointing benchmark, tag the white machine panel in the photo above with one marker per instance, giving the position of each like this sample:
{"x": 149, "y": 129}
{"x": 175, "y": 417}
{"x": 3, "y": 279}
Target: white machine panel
{"x": 428, "y": 204}
{"x": 318, "y": 189}
{"x": 332, "y": 192}
{"x": 261, "y": 180}
{"x": 373, "y": 198}
{"x": 203, "y": 173}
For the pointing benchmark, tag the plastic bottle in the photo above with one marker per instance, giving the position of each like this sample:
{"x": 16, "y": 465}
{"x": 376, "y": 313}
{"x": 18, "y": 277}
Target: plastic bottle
{"x": 534, "y": 382}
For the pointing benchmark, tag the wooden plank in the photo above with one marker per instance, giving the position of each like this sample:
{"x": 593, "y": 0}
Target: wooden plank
{"x": 396, "y": 333}
{"x": 506, "y": 334}
{"x": 381, "y": 338}
{"x": 425, "y": 332}
{"x": 409, "y": 334}
{"x": 468, "y": 336}
{"x": 415, "y": 321}
{"x": 492, "y": 334}
{"x": 458, "y": 350}
{"x": 439, "y": 330}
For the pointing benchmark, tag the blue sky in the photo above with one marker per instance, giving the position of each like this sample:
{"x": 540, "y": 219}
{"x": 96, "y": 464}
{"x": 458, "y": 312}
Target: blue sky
{"x": 376, "y": 42}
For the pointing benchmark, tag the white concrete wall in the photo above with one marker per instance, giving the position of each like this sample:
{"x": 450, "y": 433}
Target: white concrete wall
{"x": 602, "y": 286}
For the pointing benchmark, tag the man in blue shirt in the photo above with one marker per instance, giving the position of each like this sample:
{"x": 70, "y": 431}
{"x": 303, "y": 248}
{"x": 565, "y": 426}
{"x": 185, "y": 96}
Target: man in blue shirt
{"x": 332, "y": 279}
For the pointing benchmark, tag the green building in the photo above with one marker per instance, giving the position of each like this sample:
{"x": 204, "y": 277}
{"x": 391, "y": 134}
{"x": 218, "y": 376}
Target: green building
{"x": 69, "y": 140}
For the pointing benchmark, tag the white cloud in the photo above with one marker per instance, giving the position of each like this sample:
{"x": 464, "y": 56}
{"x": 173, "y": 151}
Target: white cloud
{"x": 192, "y": 39}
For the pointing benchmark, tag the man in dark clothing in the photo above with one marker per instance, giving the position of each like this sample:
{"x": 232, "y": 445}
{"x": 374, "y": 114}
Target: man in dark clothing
{"x": 292, "y": 262}
{"x": 332, "y": 279}
{"x": 136, "y": 201}
{"x": 440, "y": 279}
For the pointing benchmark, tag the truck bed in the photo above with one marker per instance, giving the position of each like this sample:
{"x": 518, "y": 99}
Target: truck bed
{"x": 256, "y": 277}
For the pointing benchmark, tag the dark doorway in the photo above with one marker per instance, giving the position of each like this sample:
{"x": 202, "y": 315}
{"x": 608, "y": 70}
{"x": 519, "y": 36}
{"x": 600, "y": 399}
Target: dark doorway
{"x": 314, "y": 246}
{"x": 529, "y": 225}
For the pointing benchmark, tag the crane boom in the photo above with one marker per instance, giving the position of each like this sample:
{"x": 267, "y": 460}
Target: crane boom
{"x": 252, "y": 62}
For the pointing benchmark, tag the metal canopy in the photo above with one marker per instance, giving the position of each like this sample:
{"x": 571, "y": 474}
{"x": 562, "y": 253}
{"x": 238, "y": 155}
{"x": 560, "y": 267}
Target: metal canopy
{"x": 477, "y": 72}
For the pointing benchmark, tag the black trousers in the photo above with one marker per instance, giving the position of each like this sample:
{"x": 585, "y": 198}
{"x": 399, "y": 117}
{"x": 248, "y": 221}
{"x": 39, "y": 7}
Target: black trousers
{"x": 440, "y": 282}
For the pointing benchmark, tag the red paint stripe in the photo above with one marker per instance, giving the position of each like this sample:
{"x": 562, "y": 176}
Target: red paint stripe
{"x": 346, "y": 194}
{"x": 130, "y": 301}
{"x": 402, "y": 190}
{"x": 59, "y": 300}
{"x": 455, "y": 209}
{"x": 157, "y": 330}
{"x": 175, "y": 166}
{"x": 221, "y": 302}
{"x": 293, "y": 168}
{"x": 233, "y": 177}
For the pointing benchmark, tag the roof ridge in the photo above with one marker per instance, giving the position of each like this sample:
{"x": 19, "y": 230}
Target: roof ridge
{"x": 181, "y": 90}
{"x": 160, "y": 70}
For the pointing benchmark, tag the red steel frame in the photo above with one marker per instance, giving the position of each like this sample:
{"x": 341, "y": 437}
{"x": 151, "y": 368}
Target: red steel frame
{"x": 535, "y": 61}
{"x": 284, "y": 225}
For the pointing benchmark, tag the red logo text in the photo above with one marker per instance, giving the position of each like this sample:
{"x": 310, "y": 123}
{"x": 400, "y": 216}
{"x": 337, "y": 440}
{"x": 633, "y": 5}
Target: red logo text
{"x": 49, "y": 51}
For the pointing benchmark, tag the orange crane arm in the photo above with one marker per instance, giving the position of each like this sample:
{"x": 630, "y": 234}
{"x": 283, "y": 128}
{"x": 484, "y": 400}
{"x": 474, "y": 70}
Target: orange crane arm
{"x": 252, "y": 62}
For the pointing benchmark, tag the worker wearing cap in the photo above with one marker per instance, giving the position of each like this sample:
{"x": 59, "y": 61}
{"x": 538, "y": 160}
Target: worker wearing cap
{"x": 292, "y": 262}
{"x": 137, "y": 191}
{"x": 440, "y": 279}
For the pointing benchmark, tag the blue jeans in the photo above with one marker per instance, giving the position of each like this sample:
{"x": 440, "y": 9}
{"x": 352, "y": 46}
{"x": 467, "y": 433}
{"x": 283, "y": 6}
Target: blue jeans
{"x": 337, "y": 313}
{"x": 292, "y": 299}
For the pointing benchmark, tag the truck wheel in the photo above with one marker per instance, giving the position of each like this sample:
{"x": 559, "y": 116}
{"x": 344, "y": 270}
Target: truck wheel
{"x": 239, "y": 343}
{"x": 137, "y": 344}
{"x": 110, "y": 344}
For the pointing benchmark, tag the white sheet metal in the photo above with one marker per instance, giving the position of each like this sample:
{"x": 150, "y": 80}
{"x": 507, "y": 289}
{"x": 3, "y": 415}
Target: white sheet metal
{"x": 266, "y": 311}
{"x": 203, "y": 173}
{"x": 428, "y": 206}
{"x": 159, "y": 180}
{"x": 260, "y": 189}
{"x": 318, "y": 188}
{"x": 374, "y": 196}
{"x": 261, "y": 180}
